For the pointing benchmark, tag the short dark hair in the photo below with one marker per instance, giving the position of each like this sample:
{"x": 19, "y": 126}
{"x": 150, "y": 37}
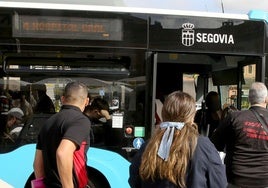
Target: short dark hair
{"x": 75, "y": 90}
{"x": 98, "y": 103}
{"x": 210, "y": 96}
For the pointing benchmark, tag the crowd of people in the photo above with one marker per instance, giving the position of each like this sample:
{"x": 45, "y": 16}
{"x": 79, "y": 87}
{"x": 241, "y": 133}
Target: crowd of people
{"x": 183, "y": 151}
{"x": 16, "y": 108}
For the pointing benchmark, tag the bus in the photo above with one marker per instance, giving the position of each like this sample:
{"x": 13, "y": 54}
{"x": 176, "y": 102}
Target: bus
{"x": 131, "y": 57}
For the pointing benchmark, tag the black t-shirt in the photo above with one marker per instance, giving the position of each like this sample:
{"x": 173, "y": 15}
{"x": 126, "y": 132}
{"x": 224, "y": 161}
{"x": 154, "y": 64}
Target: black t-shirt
{"x": 246, "y": 145}
{"x": 70, "y": 123}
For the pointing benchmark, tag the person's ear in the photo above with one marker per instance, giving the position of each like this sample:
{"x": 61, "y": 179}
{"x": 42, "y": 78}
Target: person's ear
{"x": 266, "y": 99}
{"x": 62, "y": 99}
{"x": 87, "y": 101}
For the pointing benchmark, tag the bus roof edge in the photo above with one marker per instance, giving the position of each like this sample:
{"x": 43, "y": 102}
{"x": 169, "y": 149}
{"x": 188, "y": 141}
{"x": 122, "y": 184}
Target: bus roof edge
{"x": 86, "y": 7}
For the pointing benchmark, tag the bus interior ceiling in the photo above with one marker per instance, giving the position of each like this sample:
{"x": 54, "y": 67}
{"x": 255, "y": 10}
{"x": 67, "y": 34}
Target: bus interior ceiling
{"x": 202, "y": 64}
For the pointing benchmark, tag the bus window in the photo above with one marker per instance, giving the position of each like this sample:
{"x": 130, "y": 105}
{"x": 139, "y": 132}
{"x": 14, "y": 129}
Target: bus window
{"x": 229, "y": 92}
{"x": 105, "y": 77}
{"x": 249, "y": 72}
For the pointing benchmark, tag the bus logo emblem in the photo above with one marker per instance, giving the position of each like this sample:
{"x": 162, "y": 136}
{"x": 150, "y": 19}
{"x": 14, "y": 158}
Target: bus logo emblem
{"x": 188, "y": 34}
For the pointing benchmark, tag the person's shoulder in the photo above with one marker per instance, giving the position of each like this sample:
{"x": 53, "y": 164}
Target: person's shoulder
{"x": 259, "y": 109}
{"x": 206, "y": 144}
{"x": 236, "y": 113}
{"x": 207, "y": 149}
{"x": 203, "y": 141}
{"x": 241, "y": 114}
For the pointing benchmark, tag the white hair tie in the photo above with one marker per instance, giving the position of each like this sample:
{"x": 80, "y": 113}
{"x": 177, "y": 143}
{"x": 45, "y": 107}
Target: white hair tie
{"x": 167, "y": 138}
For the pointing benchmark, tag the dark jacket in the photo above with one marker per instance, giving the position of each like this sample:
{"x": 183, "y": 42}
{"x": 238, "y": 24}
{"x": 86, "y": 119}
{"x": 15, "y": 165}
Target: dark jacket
{"x": 204, "y": 170}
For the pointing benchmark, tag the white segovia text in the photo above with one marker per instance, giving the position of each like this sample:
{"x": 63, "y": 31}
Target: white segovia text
{"x": 214, "y": 38}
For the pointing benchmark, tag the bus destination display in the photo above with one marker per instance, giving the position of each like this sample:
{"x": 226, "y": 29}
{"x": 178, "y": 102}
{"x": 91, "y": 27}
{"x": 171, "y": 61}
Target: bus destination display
{"x": 67, "y": 28}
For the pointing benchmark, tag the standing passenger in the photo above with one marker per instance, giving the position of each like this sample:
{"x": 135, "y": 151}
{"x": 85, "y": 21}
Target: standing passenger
{"x": 176, "y": 156}
{"x": 63, "y": 142}
{"x": 96, "y": 111}
{"x": 208, "y": 119}
{"x": 99, "y": 110}
{"x": 246, "y": 142}
{"x": 44, "y": 104}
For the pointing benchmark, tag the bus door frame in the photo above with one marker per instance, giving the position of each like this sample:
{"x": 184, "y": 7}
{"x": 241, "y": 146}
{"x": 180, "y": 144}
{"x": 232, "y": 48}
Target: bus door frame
{"x": 260, "y": 68}
{"x": 151, "y": 69}
{"x": 151, "y": 72}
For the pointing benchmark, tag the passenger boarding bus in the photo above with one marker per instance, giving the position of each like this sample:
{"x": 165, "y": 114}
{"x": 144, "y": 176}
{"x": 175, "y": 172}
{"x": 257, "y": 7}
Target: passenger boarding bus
{"x": 131, "y": 57}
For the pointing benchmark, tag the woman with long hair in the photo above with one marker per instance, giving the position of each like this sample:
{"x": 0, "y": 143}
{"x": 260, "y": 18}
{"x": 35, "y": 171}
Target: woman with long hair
{"x": 176, "y": 156}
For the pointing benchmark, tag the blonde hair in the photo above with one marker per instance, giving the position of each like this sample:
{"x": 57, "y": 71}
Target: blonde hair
{"x": 178, "y": 107}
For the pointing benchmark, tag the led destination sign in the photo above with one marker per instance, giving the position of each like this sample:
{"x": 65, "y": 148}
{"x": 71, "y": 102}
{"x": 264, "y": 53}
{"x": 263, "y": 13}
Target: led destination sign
{"x": 67, "y": 28}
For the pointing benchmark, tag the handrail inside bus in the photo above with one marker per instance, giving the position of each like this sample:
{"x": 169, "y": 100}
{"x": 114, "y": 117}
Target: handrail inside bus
{"x": 101, "y": 8}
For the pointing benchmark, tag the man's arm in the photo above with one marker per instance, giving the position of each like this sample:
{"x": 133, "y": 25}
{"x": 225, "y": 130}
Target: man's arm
{"x": 105, "y": 114}
{"x": 38, "y": 165}
{"x": 64, "y": 158}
